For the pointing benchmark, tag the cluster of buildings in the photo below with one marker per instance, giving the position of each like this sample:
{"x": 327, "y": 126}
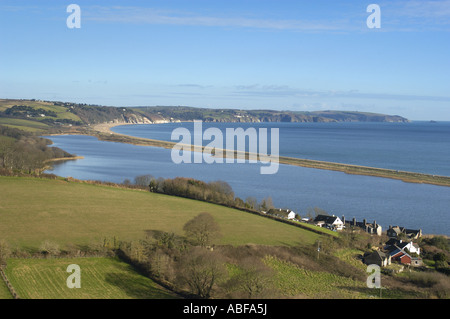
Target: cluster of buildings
{"x": 335, "y": 223}
{"x": 395, "y": 250}
{"x": 399, "y": 248}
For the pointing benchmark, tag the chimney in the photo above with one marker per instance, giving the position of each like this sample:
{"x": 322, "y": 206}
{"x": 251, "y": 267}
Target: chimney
{"x": 364, "y": 222}
{"x": 343, "y": 219}
{"x": 354, "y": 221}
{"x": 374, "y": 224}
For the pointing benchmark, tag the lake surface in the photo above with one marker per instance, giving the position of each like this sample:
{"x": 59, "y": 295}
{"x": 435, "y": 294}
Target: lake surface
{"x": 422, "y": 147}
{"x": 389, "y": 202}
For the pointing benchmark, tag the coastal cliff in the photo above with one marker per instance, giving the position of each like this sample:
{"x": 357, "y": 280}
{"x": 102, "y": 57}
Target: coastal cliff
{"x": 180, "y": 113}
{"x": 60, "y": 114}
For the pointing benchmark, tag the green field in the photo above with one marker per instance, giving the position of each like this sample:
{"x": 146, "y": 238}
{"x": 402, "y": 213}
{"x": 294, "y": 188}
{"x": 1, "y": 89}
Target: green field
{"x": 33, "y": 210}
{"x": 4, "y": 292}
{"x": 26, "y": 125}
{"x": 61, "y": 111}
{"x": 101, "y": 278}
{"x": 301, "y": 283}
{"x": 34, "y": 123}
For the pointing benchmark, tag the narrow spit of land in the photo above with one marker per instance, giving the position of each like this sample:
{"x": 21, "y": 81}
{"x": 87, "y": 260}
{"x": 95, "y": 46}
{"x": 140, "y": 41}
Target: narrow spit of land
{"x": 103, "y": 132}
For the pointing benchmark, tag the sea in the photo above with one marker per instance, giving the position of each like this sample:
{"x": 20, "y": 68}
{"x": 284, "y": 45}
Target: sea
{"x": 416, "y": 146}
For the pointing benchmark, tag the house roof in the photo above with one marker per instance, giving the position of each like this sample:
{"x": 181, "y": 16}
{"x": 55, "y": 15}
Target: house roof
{"x": 396, "y": 229}
{"x": 399, "y": 252}
{"x": 377, "y": 253}
{"x": 381, "y": 254}
{"x": 326, "y": 219}
{"x": 393, "y": 244}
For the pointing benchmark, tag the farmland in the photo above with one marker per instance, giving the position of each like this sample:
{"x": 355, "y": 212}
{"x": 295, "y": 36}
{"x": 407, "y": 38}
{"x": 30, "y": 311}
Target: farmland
{"x": 4, "y": 293}
{"x": 101, "y": 278}
{"x": 298, "y": 282}
{"x": 33, "y": 210}
{"x": 26, "y": 125}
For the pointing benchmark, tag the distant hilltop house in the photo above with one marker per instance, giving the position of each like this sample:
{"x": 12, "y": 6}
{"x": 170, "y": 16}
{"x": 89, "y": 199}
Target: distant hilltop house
{"x": 330, "y": 222}
{"x": 397, "y": 231}
{"x": 371, "y": 228}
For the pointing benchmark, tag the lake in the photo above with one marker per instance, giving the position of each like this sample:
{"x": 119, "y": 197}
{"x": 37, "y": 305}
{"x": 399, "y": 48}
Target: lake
{"x": 389, "y": 202}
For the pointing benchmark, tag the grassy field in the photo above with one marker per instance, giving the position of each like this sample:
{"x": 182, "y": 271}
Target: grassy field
{"x": 4, "y": 292}
{"x": 61, "y": 111}
{"x": 33, "y": 210}
{"x": 7, "y": 103}
{"x": 350, "y": 256}
{"x": 101, "y": 278}
{"x": 26, "y": 125}
{"x": 301, "y": 283}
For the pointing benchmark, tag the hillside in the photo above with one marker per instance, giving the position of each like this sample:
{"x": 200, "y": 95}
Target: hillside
{"x": 102, "y": 278}
{"x": 255, "y": 257}
{"x": 42, "y": 115}
{"x": 83, "y": 214}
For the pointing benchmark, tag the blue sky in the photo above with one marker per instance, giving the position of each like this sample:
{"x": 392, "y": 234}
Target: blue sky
{"x": 247, "y": 54}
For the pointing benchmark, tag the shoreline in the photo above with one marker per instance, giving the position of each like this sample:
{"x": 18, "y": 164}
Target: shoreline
{"x": 60, "y": 159}
{"x": 104, "y": 133}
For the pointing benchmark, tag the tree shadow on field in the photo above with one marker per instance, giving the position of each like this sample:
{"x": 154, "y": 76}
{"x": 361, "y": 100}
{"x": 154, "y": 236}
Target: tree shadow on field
{"x": 136, "y": 288}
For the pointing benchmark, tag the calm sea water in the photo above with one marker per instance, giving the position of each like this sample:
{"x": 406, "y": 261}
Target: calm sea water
{"x": 418, "y": 146}
{"x": 389, "y": 202}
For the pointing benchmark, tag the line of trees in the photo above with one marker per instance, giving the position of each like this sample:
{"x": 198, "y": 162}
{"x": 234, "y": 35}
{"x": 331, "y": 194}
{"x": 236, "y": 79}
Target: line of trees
{"x": 218, "y": 192}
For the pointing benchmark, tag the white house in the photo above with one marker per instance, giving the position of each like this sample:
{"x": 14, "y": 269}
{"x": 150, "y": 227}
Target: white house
{"x": 291, "y": 215}
{"x": 394, "y": 244}
{"x": 332, "y": 222}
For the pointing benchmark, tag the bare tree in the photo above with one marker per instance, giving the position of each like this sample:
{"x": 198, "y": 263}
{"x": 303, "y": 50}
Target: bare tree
{"x": 49, "y": 248}
{"x": 255, "y": 280}
{"x": 199, "y": 270}
{"x": 143, "y": 180}
{"x": 202, "y": 229}
{"x": 251, "y": 202}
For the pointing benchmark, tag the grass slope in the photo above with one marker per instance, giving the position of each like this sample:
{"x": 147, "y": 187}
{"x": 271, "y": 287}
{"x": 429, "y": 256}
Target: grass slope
{"x": 4, "y": 292}
{"x": 298, "y": 282}
{"x": 61, "y": 111}
{"x": 33, "y": 210}
{"x": 101, "y": 278}
{"x": 26, "y": 125}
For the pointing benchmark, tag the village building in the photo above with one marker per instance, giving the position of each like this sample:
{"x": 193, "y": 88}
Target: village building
{"x": 404, "y": 258}
{"x": 282, "y": 213}
{"x": 330, "y": 222}
{"x": 393, "y": 244}
{"x": 371, "y": 228}
{"x": 403, "y": 252}
{"x": 291, "y": 215}
{"x": 397, "y": 231}
{"x": 378, "y": 258}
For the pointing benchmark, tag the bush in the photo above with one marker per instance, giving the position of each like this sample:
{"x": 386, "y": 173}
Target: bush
{"x": 49, "y": 248}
